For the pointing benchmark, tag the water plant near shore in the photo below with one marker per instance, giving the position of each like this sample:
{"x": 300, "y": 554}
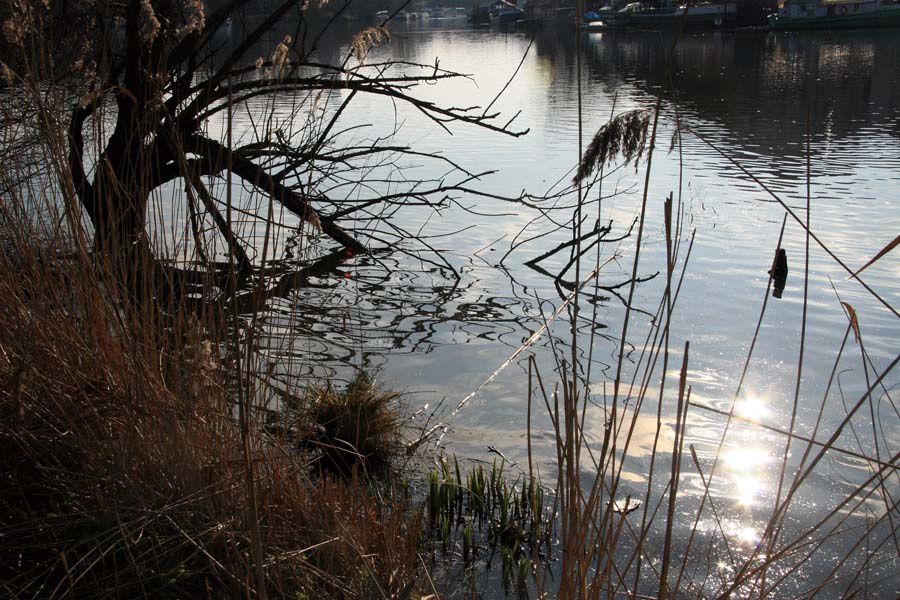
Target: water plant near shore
{"x": 474, "y": 518}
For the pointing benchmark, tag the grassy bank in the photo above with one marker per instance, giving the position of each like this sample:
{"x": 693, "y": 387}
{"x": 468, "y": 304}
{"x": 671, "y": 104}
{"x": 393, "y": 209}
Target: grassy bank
{"x": 125, "y": 469}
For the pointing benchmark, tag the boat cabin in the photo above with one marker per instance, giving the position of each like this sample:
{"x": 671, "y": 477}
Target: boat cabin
{"x": 827, "y": 8}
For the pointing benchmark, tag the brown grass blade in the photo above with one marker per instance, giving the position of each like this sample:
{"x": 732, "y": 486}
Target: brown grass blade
{"x": 854, "y": 323}
{"x": 891, "y": 245}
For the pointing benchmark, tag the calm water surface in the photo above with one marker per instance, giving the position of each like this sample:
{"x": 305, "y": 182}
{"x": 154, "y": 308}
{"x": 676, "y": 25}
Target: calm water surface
{"x": 752, "y": 97}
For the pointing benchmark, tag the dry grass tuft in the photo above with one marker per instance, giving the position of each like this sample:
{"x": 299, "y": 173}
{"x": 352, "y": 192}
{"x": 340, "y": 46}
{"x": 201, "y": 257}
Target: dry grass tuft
{"x": 358, "y": 427}
{"x": 625, "y": 135}
{"x": 368, "y": 38}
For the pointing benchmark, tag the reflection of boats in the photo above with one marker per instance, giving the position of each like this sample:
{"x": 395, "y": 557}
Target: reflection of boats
{"x": 705, "y": 15}
{"x": 836, "y": 14}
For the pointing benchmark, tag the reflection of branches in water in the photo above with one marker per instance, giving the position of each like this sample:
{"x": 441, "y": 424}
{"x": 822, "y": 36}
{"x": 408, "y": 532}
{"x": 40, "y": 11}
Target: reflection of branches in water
{"x": 340, "y": 314}
{"x": 536, "y": 314}
{"x": 347, "y": 311}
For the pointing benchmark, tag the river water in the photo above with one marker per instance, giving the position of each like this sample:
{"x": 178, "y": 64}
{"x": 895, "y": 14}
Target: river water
{"x": 752, "y": 98}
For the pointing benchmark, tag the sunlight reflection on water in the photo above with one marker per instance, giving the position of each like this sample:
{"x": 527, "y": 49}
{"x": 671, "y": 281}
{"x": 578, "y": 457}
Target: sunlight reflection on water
{"x": 753, "y": 408}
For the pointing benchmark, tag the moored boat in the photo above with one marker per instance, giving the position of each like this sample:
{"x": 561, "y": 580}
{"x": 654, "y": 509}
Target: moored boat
{"x": 505, "y": 12}
{"x": 836, "y": 14}
{"x": 702, "y": 15}
{"x": 602, "y": 19}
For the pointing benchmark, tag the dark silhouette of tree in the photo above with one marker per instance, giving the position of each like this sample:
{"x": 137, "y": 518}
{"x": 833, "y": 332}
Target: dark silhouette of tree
{"x": 152, "y": 74}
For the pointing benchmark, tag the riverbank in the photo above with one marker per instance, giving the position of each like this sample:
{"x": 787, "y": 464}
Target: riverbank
{"x": 128, "y": 471}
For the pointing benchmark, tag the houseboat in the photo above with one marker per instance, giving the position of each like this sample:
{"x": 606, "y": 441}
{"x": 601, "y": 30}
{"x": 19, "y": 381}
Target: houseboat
{"x": 503, "y": 12}
{"x": 836, "y": 14}
{"x": 496, "y": 12}
{"x": 702, "y": 15}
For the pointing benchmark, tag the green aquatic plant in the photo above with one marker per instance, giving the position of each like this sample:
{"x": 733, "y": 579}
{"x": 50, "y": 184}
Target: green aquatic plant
{"x": 488, "y": 515}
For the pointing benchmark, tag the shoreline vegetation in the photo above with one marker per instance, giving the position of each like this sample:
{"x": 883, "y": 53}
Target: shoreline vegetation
{"x": 124, "y": 467}
{"x": 139, "y": 453}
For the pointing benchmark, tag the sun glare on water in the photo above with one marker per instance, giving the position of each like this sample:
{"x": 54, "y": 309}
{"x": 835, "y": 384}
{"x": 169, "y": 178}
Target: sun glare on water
{"x": 752, "y": 408}
{"x": 747, "y": 457}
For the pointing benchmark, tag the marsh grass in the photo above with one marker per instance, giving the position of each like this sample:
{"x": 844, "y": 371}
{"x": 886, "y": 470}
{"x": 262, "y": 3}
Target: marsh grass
{"x": 476, "y": 514}
{"x": 133, "y": 455}
{"x": 357, "y": 427}
{"x": 124, "y": 462}
{"x": 616, "y": 539}
{"x": 126, "y": 458}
